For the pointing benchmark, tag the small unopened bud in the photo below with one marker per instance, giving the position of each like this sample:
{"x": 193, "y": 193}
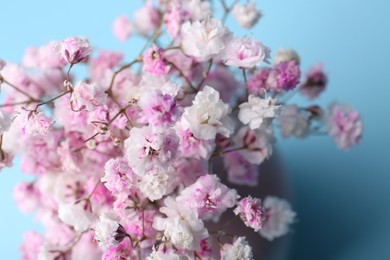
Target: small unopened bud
{"x": 102, "y": 129}
{"x": 91, "y": 144}
{"x": 116, "y": 141}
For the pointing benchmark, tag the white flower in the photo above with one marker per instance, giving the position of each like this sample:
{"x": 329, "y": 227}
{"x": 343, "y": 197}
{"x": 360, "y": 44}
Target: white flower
{"x": 105, "y": 231}
{"x": 285, "y": 55}
{"x": 239, "y": 250}
{"x": 246, "y": 15}
{"x": 197, "y": 9}
{"x": 293, "y": 122}
{"x": 279, "y": 217}
{"x": 166, "y": 254}
{"x": 245, "y": 53}
{"x": 5, "y": 122}
{"x": 258, "y": 111}
{"x": 203, "y": 39}
{"x": 181, "y": 226}
{"x": 88, "y": 96}
{"x": 76, "y": 215}
{"x": 155, "y": 184}
{"x": 208, "y": 115}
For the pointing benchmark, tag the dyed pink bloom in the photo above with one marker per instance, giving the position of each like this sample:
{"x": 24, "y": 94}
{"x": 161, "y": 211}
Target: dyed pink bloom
{"x": 145, "y": 149}
{"x": 257, "y": 144}
{"x": 245, "y": 53}
{"x": 121, "y": 251}
{"x": 32, "y": 242}
{"x": 42, "y": 57}
{"x": 101, "y": 195}
{"x": 284, "y": 76}
{"x": 33, "y": 123}
{"x": 122, "y": 28}
{"x": 2, "y": 64}
{"x": 191, "y": 146}
{"x": 146, "y": 19}
{"x": 88, "y": 96}
{"x": 27, "y": 196}
{"x": 173, "y": 18}
{"x": 240, "y": 171}
{"x": 105, "y": 61}
{"x": 188, "y": 170}
{"x": 224, "y": 81}
{"x": 208, "y": 196}
{"x": 345, "y": 126}
{"x": 118, "y": 175}
{"x": 86, "y": 248}
{"x": 246, "y": 15}
{"x": 154, "y": 62}
{"x": 134, "y": 226}
{"x": 257, "y": 85}
{"x": 251, "y": 212}
{"x": 74, "y": 49}
{"x": 315, "y": 82}
{"x": 70, "y": 120}
{"x": 157, "y": 109}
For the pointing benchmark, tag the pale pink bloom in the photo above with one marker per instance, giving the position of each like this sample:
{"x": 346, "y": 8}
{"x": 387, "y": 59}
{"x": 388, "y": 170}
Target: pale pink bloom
{"x": 33, "y": 123}
{"x": 105, "y": 61}
{"x": 239, "y": 250}
{"x": 315, "y": 82}
{"x": 49, "y": 82}
{"x": 118, "y": 176}
{"x": 2, "y": 64}
{"x": 27, "y": 196}
{"x": 122, "y": 28}
{"x": 245, "y": 53}
{"x": 71, "y": 121}
{"x": 146, "y": 18}
{"x": 173, "y": 18}
{"x": 145, "y": 149}
{"x": 181, "y": 227}
{"x": 188, "y": 170}
{"x": 153, "y": 82}
{"x": 157, "y": 109}
{"x": 203, "y": 39}
{"x": 246, "y": 15}
{"x": 29, "y": 248}
{"x": 208, "y": 196}
{"x": 251, "y": 212}
{"x": 258, "y": 112}
{"x": 165, "y": 253}
{"x": 240, "y": 171}
{"x": 122, "y": 251}
{"x": 294, "y": 121}
{"x": 108, "y": 232}
{"x": 256, "y": 144}
{"x": 70, "y": 187}
{"x": 208, "y": 115}
{"x": 279, "y": 217}
{"x": 257, "y": 85}
{"x": 197, "y": 9}
{"x": 78, "y": 215}
{"x": 154, "y": 62}
{"x": 124, "y": 204}
{"x": 86, "y": 248}
{"x": 43, "y": 57}
{"x": 88, "y": 96}
{"x": 286, "y": 55}
{"x": 345, "y": 126}
{"x": 140, "y": 224}
{"x": 284, "y": 76}
{"x": 191, "y": 146}
{"x": 74, "y": 49}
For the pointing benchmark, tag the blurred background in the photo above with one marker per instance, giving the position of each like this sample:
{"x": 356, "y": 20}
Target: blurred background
{"x": 342, "y": 198}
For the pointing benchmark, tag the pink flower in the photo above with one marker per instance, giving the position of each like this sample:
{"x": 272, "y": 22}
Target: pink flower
{"x": 251, "y": 212}
{"x": 284, "y": 76}
{"x": 27, "y": 196}
{"x": 245, "y": 53}
{"x": 122, "y": 251}
{"x": 257, "y": 85}
{"x": 246, "y": 15}
{"x": 345, "y": 126}
{"x": 286, "y": 55}
{"x": 173, "y": 19}
{"x": 122, "y": 28}
{"x": 154, "y": 62}
{"x": 146, "y": 18}
{"x": 88, "y": 96}
{"x": 118, "y": 175}
{"x": 104, "y": 62}
{"x": 33, "y": 123}
{"x": 32, "y": 242}
{"x": 315, "y": 82}
{"x": 239, "y": 170}
{"x": 74, "y": 49}
{"x": 208, "y": 196}
{"x": 43, "y": 57}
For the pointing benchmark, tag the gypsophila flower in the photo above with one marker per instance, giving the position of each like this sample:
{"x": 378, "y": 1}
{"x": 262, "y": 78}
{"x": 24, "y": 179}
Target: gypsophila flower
{"x": 77, "y": 215}
{"x": 33, "y": 123}
{"x": 258, "y": 112}
{"x": 240, "y": 170}
{"x": 122, "y": 28}
{"x": 203, "y": 39}
{"x": 257, "y": 85}
{"x": 345, "y": 126}
{"x": 279, "y": 217}
{"x": 315, "y": 82}
{"x": 294, "y": 121}
{"x": 106, "y": 231}
{"x": 239, "y": 250}
{"x": 245, "y": 53}
{"x": 284, "y": 76}
{"x": 251, "y": 212}
{"x": 154, "y": 62}
{"x": 246, "y": 15}
{"x": 285, "y": 55}
{"x": 87, "y": 96}
{"x": 74, "y": 49}
{"x": 118, "y": 176}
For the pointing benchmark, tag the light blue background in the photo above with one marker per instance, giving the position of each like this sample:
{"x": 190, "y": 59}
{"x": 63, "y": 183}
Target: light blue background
{"x": 342, "y": 199}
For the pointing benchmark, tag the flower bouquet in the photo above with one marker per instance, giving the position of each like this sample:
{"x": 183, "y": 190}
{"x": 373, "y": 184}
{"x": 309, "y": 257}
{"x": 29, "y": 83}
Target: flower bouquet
{"x": 134, "y": 160}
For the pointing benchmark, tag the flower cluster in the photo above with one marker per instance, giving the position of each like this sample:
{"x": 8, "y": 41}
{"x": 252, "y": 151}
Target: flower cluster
{"x": 139, "y": 158}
